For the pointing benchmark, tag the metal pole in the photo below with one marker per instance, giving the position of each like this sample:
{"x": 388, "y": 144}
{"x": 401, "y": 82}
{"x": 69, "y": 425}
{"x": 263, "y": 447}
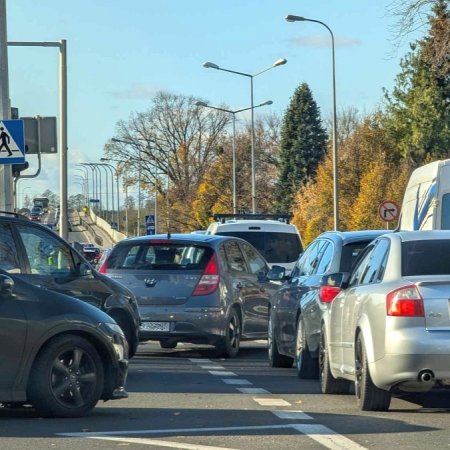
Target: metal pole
{"x": 253, "y": 149}
{"x": 234, "y": 164}
{"x": 63, "y": 228}
{"x": 139, "y": 196}
{"x": 6, "y": 179}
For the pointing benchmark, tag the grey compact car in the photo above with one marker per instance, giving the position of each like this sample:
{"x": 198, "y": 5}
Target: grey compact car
{"x": 388, "y": 328}
{"x": 296, "y": 308}
{"x": 196, "y": 288}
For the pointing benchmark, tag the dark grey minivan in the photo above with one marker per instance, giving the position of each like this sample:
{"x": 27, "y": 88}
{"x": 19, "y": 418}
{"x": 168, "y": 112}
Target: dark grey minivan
{"x": 201, "y": 289}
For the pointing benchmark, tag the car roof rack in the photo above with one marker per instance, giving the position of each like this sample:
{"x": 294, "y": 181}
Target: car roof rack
{"x": 10, "y": 213}
{"x": 281, "y": 217}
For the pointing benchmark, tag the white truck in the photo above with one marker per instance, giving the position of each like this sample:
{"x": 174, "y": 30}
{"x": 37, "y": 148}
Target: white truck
{"x": 426, "y": 202}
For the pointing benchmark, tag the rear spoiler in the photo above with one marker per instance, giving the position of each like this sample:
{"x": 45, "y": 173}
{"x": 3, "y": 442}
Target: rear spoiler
{"x": 282, "y": 217}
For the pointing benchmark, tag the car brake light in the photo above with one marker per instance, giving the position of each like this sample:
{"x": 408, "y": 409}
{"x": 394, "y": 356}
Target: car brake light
{"x": 328, "y": 293}
{"x": 210, "y": 278}
{"x": 102, "y": 268}
{"x": 405, "y": 302}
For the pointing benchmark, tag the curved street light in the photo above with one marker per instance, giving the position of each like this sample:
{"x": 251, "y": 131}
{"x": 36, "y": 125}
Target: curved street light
{"x": 233, "y": 112}
{"x": 292, "y": 18}
{"x": 278, "y": 62}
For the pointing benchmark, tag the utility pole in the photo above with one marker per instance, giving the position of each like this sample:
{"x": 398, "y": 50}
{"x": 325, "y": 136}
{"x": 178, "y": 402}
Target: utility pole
{"x": 6, "y": 182}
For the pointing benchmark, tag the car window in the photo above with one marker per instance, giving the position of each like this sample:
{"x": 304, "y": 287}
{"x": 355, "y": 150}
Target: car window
{"x": 350, "y": 253}
{"x": 427, "y": 257}
{"x": 274, "y": 247}
{"x": 445, "y": 217}
{"x": 376, "y": 262}
{"x": 309, "y": 259}
{"x": 8, "y": 251}
{"x": 255, "y": 261}
{"x": 46, "y": 254}
{"x": 234, "y": 257}
{"x": 326, "y": 256}
{"x": 360, "y": 265}
{"x": 159, "y": 255}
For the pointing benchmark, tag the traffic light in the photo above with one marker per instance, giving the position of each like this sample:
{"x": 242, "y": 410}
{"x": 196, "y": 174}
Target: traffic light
{"x": 17, "y": 168}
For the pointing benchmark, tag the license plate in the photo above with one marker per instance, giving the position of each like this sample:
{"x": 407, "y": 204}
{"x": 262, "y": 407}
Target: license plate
{"x": 155, "y": 326}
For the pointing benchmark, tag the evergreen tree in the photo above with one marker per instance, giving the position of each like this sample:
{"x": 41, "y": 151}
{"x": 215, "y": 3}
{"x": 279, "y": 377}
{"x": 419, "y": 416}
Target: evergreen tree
{"x": 419, "y": 106}
{"x": 303, "y": 146}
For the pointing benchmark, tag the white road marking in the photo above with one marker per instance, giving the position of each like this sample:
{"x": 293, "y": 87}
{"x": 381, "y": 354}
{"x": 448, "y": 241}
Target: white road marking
{"x": 292, "y": 415}
{"x": 252, "y": 391}
{"x": 319, "y": 433}
{"x": 272, "y": 402}
{"x": 160, "y": 443}
{"x": 213, "y": 367}
{"x": 200, "y": 360}
{"x": 222, "y": 373}
{"x": 233, "y": 381}
{"x": 327, "y": 437}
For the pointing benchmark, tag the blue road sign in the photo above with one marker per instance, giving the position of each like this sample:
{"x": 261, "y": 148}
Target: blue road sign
{"x": 12, "y": 142}
{"x": 150, "y": 219}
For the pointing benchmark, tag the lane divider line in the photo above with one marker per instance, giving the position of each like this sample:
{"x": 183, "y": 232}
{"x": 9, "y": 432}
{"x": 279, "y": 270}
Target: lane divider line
{"x": 222, "y": 373}
{"x": 271, "y": 402}
{"x": 233, "y": 381}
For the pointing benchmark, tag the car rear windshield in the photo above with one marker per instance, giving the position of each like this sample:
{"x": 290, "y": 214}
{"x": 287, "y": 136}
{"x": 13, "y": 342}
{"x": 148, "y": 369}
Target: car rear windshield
{"x": 428, "y": 257}
{"x": 275, "y": 247}
{"x": 151, "y": 255}
{"x": 350, "y": 253}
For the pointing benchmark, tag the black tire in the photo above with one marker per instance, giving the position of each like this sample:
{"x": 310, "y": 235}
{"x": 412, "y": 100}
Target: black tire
{"x": 307, "y": 366}
{"x": 329, "y": 384}
{"x": 368, "y": 396}
{"x": 276, "y": 359}
{"x": 67, "y": 378}
{"x": 128, "y": 331}
{"x": 168, "y": 343}
{"x": 228, "y": 346}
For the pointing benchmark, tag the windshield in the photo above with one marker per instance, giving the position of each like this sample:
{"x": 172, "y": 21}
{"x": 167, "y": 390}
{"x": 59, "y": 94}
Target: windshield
{"x": 159, "y": 256}
{"x": 275, "y": 247}
{"x": 429, "y": 257}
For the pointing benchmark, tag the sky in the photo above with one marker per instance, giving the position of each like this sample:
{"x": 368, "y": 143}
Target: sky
{"x": 119, "y": 54}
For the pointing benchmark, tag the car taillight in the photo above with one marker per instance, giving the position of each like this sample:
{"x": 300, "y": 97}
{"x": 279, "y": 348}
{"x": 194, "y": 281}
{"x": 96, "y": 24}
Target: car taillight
{"x": 209, "y": 280}
{"x": 102, "y": 268}
{"x": 327, "y": 293}
{"x": 405, "y": 302}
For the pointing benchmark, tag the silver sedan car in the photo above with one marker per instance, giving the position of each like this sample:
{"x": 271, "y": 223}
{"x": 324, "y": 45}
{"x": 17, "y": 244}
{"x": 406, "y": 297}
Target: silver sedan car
{"x": 388, "y": 327}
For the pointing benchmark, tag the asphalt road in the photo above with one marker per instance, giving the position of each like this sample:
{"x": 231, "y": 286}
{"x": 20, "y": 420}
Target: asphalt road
{"x": 186, "y": 399}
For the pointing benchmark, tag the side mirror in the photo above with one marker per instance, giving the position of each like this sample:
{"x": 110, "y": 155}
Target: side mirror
{"x": 276, "y": 273}
{"x": 6, "y": 285}
{"x": 84, "y": 270}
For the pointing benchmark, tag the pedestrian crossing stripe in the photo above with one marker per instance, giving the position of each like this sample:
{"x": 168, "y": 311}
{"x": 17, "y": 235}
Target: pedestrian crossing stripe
{"x": 12, "y": 142}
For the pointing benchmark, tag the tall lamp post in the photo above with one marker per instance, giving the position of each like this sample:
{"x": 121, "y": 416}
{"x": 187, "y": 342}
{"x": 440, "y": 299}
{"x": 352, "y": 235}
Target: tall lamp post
{"x": 291, "y": 18}
{"x": 278, "y": 62}
{"x": 233, "y": 112}
{"x": 112, "y": 170}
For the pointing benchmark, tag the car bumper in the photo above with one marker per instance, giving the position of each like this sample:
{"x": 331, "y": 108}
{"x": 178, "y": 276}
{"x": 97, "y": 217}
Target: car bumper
{"x": 195, "y": 325}
{"x": 409, "y": 358}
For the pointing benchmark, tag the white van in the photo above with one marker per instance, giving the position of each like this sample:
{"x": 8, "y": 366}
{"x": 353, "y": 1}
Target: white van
{"x": 272, "y": 235}
{"x": 426, "y": 203}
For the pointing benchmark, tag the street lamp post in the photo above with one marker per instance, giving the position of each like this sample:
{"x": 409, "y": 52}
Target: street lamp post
{"x": 278, "y": 62}
{"x": 86, "y": 173}
{"x": 233, "y": 112}
{"x": 112, "y": 170}
{"x": 291, "y": 18}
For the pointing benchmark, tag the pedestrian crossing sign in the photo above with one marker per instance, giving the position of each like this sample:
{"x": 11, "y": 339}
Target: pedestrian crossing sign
{"x": 12, "y": 142}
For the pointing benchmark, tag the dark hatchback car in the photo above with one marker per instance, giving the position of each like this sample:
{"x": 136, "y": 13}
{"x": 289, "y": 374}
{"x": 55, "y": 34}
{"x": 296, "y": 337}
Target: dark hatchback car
{"x": 196, "y": 288}
{"x": 36, "y": 254}
{"x": 296, "y": 308}
{"x": 59, "y": 355}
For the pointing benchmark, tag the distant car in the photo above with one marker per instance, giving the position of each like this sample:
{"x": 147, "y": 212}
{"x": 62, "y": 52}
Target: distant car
{"x": 277, "y": 240}
{"x": 388, "y": 326}
{"x": 295, "y": 310}
{"x": 39, "y": 256}
{"x": 37, "y": 210}
{"x": 35, "y": 217}
{"x": 58, "y": 354}
{"x": 196, "y": 288}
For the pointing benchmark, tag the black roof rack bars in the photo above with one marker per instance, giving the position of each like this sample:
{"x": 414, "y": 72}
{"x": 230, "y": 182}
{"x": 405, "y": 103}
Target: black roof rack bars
{"x": 281, "y": 217}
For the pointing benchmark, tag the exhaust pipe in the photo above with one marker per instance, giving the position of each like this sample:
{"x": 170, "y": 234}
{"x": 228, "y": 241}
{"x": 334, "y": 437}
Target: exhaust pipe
{"x": 426, "y": 375}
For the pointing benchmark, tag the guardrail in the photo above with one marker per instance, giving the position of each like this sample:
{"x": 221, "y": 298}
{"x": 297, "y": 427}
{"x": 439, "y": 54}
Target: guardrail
{"x": 114, "y": 235}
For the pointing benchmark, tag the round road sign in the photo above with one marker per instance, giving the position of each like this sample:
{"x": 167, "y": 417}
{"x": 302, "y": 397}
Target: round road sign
{"x": 388, "y": 211}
